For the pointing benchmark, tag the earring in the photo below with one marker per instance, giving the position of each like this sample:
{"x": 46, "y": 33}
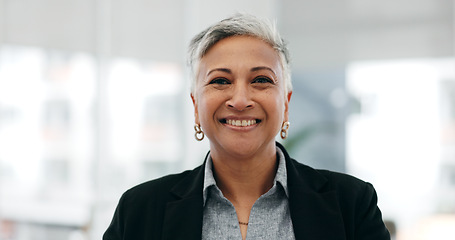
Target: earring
{"x": 199, "y": 135}
{"x": 284, "y": 129}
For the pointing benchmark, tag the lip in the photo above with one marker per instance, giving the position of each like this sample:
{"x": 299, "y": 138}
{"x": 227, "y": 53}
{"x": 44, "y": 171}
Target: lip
{"x": 240, "y": 123}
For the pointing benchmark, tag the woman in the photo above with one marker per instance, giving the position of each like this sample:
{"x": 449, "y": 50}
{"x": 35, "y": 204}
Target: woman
{"x": 248, "y": 187}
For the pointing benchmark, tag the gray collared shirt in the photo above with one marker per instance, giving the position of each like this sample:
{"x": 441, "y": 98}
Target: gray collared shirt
{"x": 270, "y": 217}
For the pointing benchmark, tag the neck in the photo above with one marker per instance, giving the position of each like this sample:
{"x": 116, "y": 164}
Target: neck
{"x": 244, "y": 180}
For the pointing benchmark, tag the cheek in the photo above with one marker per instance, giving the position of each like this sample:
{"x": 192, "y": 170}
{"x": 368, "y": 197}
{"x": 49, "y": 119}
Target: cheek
{"x": 207, "y": 104}
{"x": 275, "y": 103}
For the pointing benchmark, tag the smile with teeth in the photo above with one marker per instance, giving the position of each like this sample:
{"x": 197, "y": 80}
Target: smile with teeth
{"x": 241, "y": 123}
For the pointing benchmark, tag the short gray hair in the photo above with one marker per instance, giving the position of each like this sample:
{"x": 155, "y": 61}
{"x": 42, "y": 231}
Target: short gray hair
{"x": 238, "y": 25}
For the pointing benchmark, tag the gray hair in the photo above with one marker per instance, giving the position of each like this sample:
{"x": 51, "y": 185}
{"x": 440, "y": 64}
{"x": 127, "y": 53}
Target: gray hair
{"x": 238, "y": 25}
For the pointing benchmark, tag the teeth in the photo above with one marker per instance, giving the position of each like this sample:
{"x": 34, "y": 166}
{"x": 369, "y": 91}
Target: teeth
{"x": 240, "y": 123}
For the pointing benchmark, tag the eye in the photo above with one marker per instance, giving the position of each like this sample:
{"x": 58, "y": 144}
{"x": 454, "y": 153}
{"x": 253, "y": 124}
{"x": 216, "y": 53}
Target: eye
{"x": 262, "y": 79}
{"x": 220, "y": 81}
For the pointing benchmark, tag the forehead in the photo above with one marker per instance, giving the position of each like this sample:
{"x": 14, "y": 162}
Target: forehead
{"x": 240, "y": 52}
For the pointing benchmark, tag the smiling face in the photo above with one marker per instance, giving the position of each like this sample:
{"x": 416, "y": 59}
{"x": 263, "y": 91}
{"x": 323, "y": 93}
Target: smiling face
{"x": 239, "y": 98}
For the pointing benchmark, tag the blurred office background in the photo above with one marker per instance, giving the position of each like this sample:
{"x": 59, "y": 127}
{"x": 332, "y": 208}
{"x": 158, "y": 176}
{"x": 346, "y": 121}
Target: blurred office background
{"x": 94, "y": 99}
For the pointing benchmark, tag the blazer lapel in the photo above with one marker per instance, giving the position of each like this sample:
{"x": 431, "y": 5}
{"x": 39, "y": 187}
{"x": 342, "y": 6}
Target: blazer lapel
{"x": 183, "y": 215}
{"x": 315, "y": 211}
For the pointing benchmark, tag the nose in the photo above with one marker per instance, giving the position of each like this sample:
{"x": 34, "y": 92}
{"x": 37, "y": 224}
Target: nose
{"x": 240, "y": 99}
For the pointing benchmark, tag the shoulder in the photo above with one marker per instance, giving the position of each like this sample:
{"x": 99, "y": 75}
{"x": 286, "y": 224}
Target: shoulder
{"x": 354, "y": 196}
{"x": 159, "y": 187}
{"x": 346, "y": 186}
{"x": 352, "y": 192}
{"x": 319, "y": 179}
{"x": 337, "y": 180}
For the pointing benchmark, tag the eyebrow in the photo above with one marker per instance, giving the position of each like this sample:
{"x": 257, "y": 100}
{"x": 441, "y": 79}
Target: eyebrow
{"x": 226, "y": 70}
{"x": 255, "y": 69}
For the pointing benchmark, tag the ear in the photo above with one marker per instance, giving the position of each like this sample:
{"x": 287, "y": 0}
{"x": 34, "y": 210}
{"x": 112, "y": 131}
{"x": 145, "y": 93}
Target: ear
{"x": 286, "y": 106}
{"x": 196, "y": 114}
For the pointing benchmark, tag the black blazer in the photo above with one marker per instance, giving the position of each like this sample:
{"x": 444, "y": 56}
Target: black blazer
{"x": 324, "y": 205}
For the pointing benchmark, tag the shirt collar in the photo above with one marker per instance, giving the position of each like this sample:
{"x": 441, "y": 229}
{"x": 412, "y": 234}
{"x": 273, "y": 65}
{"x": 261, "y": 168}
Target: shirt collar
{"x": 280, "y": 177}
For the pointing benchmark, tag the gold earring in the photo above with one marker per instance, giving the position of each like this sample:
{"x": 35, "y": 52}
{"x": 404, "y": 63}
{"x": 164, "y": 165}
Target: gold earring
{"x": 284, "y": 129}
{"x": 199, "y": 135}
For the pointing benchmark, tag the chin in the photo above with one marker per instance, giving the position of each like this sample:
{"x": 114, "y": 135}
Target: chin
{"x": 244, "y": 147}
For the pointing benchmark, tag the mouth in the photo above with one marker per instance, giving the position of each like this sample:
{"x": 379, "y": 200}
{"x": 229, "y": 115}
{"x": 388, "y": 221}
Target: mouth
{"x": 240, "y": 122}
